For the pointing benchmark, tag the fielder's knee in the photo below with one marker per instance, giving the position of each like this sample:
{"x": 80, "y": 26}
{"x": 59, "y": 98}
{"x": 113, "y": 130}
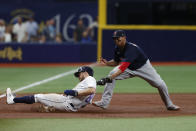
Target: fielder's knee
{"x": 158, "y": 84}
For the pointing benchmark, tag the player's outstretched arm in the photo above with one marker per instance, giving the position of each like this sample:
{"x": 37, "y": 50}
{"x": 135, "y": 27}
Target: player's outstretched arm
{"x": 108, "y": 63}
{"x": 108, "y": 79}
{"x": 103, "y": 81}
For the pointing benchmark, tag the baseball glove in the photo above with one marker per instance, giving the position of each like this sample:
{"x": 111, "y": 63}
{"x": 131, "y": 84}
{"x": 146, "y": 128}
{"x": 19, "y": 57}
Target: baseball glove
{"x": 103, "y": 81}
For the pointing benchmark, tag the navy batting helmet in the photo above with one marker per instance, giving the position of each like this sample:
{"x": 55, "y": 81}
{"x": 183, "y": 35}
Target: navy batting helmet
{"x": 87, "y": 69}
{"x": 118, "y": 33}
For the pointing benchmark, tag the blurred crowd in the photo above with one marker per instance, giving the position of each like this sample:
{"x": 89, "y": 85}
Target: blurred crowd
{"x": 30, "y": 31}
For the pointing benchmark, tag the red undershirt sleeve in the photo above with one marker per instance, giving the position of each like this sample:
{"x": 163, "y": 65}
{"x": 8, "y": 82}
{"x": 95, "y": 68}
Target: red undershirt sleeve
{"x": 124, "y": 65}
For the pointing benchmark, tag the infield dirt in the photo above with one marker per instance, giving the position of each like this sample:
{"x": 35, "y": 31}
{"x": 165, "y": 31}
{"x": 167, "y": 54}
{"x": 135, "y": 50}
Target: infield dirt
{"x": 122, "y": 106}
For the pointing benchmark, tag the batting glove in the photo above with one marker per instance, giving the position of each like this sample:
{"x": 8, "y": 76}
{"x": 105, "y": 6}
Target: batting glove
{"x": 71, "y": 92}
{"x": 103, "y": 81}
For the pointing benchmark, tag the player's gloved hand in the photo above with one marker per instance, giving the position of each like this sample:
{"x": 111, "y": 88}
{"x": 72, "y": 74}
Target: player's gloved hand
{"x": 103, "y": 81}
{"x": 71, "y": 92}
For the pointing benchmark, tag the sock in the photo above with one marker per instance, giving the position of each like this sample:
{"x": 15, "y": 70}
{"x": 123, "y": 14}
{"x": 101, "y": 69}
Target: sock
{"x": 25, "y": 99}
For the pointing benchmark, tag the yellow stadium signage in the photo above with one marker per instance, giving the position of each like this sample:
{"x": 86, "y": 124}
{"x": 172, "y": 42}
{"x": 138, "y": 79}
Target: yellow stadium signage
{"x": 10, "y": 54}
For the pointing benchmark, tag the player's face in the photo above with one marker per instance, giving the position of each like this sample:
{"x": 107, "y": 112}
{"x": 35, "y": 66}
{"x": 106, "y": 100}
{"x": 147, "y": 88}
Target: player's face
{"x": 120, "y": 41}
{"x": 81, "y": 76}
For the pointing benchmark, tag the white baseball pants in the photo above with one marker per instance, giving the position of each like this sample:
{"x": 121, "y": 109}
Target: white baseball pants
{"x": 57, "y": 101}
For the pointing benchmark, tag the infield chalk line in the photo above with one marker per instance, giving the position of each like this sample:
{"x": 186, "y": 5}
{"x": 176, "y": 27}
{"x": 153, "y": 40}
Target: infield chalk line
{"x": 46, "y": 80}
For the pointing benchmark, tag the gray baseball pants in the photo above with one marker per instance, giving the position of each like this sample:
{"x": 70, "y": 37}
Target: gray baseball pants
{"x": 146, "y": 72}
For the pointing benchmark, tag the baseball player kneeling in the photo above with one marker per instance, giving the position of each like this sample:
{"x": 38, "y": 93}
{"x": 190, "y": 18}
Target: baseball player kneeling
{"x": 71, "y": 100}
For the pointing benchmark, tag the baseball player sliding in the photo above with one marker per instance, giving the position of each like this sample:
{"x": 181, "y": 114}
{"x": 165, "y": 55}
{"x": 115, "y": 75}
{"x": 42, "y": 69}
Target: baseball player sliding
{"x": 72, "y": 100}
{"x": 130, "y": 61}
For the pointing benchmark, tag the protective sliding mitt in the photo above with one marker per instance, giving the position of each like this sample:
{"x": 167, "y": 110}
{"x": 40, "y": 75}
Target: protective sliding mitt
{"x": 103, "y": 81}
{"x": 71, "y": 92}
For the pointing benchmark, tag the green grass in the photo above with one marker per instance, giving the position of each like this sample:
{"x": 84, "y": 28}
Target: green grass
{"x": 107, "y": 124}
{"x": 180, "y": 79}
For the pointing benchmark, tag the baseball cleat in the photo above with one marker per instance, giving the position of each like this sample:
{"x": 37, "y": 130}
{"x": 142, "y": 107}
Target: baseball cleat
{"x": 10, "y": 96}
{"x": 173, "y": 108}
{"x": 43, "y": 108}
{"x": 100, "y": 104}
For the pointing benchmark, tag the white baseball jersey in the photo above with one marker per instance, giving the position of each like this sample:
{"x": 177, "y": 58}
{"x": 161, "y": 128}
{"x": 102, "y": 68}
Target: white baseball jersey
{"x": 80, "y": 101}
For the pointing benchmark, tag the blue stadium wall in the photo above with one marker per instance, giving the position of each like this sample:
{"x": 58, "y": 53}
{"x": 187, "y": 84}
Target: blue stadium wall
{"x": 66, "y": 15}
{"x": 47, "y": 53}
{"x": 159, "y": 45}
